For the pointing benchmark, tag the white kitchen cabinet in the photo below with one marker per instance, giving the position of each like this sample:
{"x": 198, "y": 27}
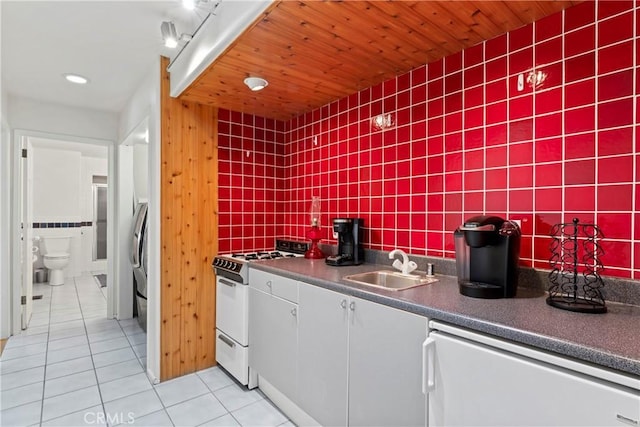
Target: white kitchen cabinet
{"x": 385, "y": 366}
{"x": 323, "y": 358}
{"x": 359, "y": 362}
{"x": 273, "y": 332}
{"x": 477, "y": 380}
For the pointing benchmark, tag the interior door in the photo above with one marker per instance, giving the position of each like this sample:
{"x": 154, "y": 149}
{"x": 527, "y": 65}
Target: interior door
{"x": 26, "y": 219}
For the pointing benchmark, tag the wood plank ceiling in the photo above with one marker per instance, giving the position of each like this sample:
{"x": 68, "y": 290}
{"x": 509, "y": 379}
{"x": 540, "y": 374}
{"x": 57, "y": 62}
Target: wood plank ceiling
{"x": 315, "y": 52}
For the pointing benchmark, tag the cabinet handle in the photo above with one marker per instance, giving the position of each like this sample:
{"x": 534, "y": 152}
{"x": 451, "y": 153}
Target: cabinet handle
{"x": 343, "y": 303}
{"x": 294, "y": 312}
{"x": 627, "y": 420}
{"x": 352, "y": 306}
{"x": 226, "y": 282}
{"x": 226, "y": 340}
{"x": 428, "y": 366}
{"x": 269, "y": 283}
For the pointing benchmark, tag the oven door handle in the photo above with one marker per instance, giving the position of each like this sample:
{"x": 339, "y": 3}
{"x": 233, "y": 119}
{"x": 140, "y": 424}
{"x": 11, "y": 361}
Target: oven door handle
{"x": 226, "y": 282}
{"x": 226, "y": 340}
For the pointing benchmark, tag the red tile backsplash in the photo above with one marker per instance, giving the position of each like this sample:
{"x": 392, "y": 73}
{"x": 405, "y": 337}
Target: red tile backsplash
{"x": 467, "y": 139}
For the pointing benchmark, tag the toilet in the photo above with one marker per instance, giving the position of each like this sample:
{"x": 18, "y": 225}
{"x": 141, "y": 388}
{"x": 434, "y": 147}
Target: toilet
{"x": 56, "y": 257}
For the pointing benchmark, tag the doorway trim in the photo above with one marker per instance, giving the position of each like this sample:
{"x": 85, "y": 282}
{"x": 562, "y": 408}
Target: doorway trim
{"x": 16, "y": 247}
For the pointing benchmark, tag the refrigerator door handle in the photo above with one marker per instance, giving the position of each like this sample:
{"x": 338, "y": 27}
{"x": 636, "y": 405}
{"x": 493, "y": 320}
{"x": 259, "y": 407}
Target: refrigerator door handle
{"x": 428, "y": 365}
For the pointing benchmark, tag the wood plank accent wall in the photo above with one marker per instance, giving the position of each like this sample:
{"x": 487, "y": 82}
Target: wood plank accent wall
{"x": 189, "y": 217}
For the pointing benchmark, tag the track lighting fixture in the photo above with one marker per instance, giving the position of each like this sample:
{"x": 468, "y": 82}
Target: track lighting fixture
{"x": 170, "y": 35}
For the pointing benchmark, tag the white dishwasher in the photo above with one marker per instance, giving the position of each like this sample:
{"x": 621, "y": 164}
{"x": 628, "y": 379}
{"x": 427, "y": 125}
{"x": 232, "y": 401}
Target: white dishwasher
{"x": 475, "y": 379}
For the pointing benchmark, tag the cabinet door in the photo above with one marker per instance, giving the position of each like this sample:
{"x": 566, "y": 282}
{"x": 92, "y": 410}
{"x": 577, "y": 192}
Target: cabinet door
{"x": 273, "y": 340}
{"x": 323, "y": 344}
{"x": 385, "y": 366}
{"x": 484, "y": 386}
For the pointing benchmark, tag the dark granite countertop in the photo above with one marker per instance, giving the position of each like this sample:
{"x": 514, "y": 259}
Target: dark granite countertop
{"x": 610, "y": 340}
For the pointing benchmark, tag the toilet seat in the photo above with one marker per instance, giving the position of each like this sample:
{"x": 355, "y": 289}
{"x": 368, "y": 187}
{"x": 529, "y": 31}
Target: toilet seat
{"x": 57, "y": 255}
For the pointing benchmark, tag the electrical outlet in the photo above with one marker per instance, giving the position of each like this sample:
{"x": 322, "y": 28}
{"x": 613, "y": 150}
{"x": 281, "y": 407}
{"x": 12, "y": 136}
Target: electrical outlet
{"x": 517, "y": 221}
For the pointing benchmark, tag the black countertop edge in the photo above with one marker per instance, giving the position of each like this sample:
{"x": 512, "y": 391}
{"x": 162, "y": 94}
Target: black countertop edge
{"x": 598, "y": 357}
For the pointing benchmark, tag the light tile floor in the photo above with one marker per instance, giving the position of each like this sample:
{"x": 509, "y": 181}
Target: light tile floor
{"x": 75, "y": 367}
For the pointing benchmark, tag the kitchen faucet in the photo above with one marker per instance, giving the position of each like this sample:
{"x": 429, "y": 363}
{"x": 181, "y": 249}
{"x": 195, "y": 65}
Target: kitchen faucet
{"x": 405, "y": 266}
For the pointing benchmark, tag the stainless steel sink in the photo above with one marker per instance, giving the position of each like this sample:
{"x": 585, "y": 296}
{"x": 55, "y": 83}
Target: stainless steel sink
{"x": 390, "y": 280}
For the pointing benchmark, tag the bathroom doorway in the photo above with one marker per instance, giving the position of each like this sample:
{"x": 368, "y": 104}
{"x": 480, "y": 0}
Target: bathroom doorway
{"x": 60, "y": 174}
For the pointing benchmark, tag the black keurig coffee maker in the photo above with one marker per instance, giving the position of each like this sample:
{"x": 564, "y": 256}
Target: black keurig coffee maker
{"x": 487, "y": 254}
{"x": 348, "y": 231}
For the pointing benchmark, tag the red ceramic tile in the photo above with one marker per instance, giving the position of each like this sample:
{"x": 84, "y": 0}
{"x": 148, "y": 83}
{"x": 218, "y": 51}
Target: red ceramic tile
{"x": 579, "y": 15}
{"x": 521, "y": 38}
{"x": 453, "y": 102}
{"x": 544, "y": 222}
{"x": 473, "y": 159}
{"x": 453, "y": 162}
{"x": 541, "y": 249}
{"x": 521, "y": 130}
{"x": 435, "y": 126}
{"x": 435, "y": 69}
{"x": 453, "y": 142}
{"x": 580, "y": 41}
{"x": 474, "y": 201}
{"x": 521, "y": 61}
{"x": 615, "y": 169}
{"x": 615, "y": 197}
{"x": 453, "y": 202}
{"x": 615, "y": 113}
{"x": 497, "y": 134}
{"x": 616, "y": 29}
{"x": 548, "y": 27}
{"x": 616, "y": 57}
{"x": 548, "y": 175}
{"x": 521, "y": 177}
{"x": 474, "y": 76}
{"x": 554, "y": 77}
{"x": 549, "y": 51}
{"x": 549, "y": 125}
{"x": 580, "y": 67}
{"x": 496, "y": 91}
{"x": 579, "y": 94}
{"x": 496, "y": 156}
{"x": 495, "y": 47}
{"x": 579, "y": 198}
{"x": 473, "y": 117}
{"x": 579, "y": 120}
{"x": 616, "y": 254}
{"x": 474, "y": 97}
{"x": 453, "y": 82}
{"x": 580, "y": 172}
{"x": 496, "y": 179}
{"x": 473, "y": 139}
{"x": 496, "y": 201}
{"x": 580, "y": 146}
{"x": 521, "y": 107}
{"x": 435, "y": 145}
{"x": 435, "y": 164}
{"x": 496, "y": 112}
{"x": 615, "y": 141}
{"x": 615, "y": 225}
{"x": 616, "y": 85}
{"x": 453, "y": 63}
{"x": 610, "y": 8}
{"x": 435, "y": 108}
{"x": 473, "y": 55}
{"x": 473, "y": 181}
{"x": 548, "y": 150}
{"x": 496, "y": 69}
{"x": 521, "y": 200}
{"x": 548, "y": 199}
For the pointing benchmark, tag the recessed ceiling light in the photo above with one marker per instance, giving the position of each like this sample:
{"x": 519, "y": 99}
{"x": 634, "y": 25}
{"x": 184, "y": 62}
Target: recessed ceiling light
{"x": 75, "y": 78}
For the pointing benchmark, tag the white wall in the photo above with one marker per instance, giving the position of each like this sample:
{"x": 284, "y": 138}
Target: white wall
{"x": 141, "y": 172}
{"x": 145, "y": 103}
{"x": 57, "y": 175}
{"x": 29, "y": 114}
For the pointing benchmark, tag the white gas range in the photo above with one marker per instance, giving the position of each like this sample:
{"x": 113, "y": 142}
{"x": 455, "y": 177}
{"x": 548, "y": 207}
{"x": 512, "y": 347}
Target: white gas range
{"x": 232, "y": 305}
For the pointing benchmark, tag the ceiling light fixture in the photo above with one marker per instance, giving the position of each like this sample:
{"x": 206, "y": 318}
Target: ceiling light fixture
{"x": 189, "y": 4}
{"x": 76, "y": 78}
{"x": 256, "y": 83}
{"x": 169, "y": 34}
